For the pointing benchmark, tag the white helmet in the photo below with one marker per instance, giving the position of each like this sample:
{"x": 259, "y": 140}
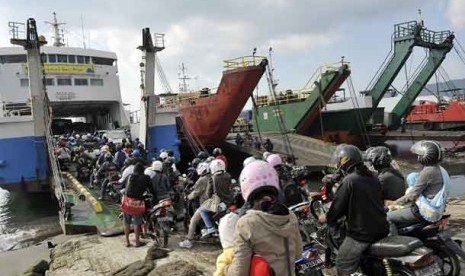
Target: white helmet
{"x": 157, "y": 166}
{"x": 163, "y": 155}
{"x": 217, "y": 166}
{"x": 248, "y": 160}
{"x": 77, "y": 136}
{"x": 203, "y": 168}
{"x": 266, "y": 154}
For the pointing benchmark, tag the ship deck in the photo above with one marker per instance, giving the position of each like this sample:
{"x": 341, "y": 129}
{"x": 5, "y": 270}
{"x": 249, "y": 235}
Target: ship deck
{"x": 416, "y": 135}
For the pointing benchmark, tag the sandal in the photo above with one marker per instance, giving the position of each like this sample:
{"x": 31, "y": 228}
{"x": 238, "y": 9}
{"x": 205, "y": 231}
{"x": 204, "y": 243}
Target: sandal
{"x": 140, "y": 244}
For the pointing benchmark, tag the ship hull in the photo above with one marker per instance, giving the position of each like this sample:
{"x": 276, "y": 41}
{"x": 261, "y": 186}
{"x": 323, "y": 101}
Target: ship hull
{"x": 209, "y": 119}
{"x": 298, "y": 114}
{"x": 431, "y": 116}
{"x": 23, "y": 157}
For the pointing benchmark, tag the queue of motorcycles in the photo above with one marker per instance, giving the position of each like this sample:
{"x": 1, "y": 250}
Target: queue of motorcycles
{"x": 420, "y": 249}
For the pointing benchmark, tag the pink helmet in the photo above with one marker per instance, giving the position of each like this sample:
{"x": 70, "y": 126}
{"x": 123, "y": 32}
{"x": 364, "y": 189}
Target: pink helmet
{"x": 274, "y": 160}
{"x": 256, "y": 175}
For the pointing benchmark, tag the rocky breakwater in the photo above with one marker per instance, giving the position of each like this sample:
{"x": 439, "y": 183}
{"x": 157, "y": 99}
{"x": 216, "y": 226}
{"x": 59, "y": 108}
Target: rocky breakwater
{"x": 95, "y": 255}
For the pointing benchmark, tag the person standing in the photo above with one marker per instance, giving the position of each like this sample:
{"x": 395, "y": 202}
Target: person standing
{"x": 138, "y": 184}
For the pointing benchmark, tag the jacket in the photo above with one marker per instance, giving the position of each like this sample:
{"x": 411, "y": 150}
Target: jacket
{"x": 201, "y": 189}
{"x": 223, "y": 260}
{"x": 392, "y": 183}
{"x": 138, "y": 185}
{"x": 222, "y": 184}
{"x": 264, "y": 234}
{"x": 359, "y": 200}
{"x": 429, "y": 183}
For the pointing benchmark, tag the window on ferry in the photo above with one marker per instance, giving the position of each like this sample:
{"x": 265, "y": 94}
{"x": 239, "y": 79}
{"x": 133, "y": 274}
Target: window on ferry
{"x": 64, "y": 81}
{"x": 13, "y": 59}
{"x": 87, "y": 59}
{"x": 103, "y": 61}
{"x": 43, "y": 58}
{"x": 52, "y": 58}
{"x": 24, "y": 82}
{"x": 81, "y": 82}
{"x": 96, "y": 82}
{"x": 71, "y": 59}
{"x": 80, "y": 59}
{"x": 49, "y": 82}
{"x": 62, "y": 58}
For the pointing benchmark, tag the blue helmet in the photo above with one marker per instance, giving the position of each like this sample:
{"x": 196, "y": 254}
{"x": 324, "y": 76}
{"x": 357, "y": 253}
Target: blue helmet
{"x": 136, "y": 153}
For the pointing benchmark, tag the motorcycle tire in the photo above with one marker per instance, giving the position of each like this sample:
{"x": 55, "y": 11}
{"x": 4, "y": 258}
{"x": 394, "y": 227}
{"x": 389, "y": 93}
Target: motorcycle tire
{"x": 160, "y": 235}
{"x": 448, "y": 260}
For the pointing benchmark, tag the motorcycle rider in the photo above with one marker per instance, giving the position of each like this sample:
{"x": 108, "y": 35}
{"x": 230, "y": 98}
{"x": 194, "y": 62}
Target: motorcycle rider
{"x": 290, "y": 192}
{"x": 358, "y": 199}
{"x": 427, "y": 199}
{"x": 268, "y": 231}
{"x": 268, "y": 145}
{"x": 192, "y": 175}
{"x": 218, "y": 154}
{"x": 109, "y": 169}
{"x": 200, "y": 193}
{"x": 221, "y": 186}
{"x": 202, "y": 155}
{"x": 392, "y": 180}
{"x": 160, "y": 183}
{"x": 120, "y": 157}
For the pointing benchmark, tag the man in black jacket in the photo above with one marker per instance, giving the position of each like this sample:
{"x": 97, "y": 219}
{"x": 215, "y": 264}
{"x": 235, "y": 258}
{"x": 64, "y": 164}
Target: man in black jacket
{"x": 359, "y": 201}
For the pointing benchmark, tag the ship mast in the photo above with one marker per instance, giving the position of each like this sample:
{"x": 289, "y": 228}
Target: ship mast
{"x": 183, "y": 78}
{"x": 59, "y": 37}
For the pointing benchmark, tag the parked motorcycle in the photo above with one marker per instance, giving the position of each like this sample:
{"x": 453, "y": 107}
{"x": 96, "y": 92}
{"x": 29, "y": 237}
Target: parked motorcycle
{"x": 308, "y": 225}
{"x": 435, "y": 237}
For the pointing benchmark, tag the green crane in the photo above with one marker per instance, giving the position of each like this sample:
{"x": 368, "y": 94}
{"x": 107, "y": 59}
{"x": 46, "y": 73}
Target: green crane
{"x": 406, "y": 36}
{"x": 438, "y": 44}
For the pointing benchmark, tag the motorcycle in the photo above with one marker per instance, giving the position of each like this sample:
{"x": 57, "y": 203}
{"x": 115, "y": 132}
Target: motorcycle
{"x": 114, "y": 188}
{"x": 83, "y": 168}
{"x": 308, "y": 226}
{"x": 394, "y": 255}
{"x": 159, "y": 219}
{"x": 435, "y": 237}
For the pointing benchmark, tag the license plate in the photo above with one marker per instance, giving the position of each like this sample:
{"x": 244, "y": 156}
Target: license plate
{"x": 313, "y": 264}
{"x": 165, "y": 219}
{"x": 431, "y": 270}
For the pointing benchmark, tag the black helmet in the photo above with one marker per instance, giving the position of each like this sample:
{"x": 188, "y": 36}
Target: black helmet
{"x": 217, "y": 151}
{"x": 347, "y": 156}
{"x": 195, "y": 162}
{"x": 379, "y": 157}
{"x": 202, "y": 155}
{"x": 429, "y": 152}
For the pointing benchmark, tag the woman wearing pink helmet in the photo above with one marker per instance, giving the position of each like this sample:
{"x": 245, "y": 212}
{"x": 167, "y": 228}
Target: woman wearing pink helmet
{"x": 268, "y": 229}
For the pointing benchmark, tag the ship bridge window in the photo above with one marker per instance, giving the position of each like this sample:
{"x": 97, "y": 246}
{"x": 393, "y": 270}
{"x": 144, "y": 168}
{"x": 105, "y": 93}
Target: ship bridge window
{"x": 71, "y": 59}
{"x": 24, "y": 82}
{"x": 49, "y": 82}
{"x": 96, "y": 82}
{"x": 52, "y": 58}
{"x": 43, "y": 58}
{"x": 81, "y": 82}
{"x": 64, "y": 81}
{"x": 80, "y": 59}
{"x": 13, "y": 59}
{"x": 103, "y": 61}
{"x": 62, "y": 58}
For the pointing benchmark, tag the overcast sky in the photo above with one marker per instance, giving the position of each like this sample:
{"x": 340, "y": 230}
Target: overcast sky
{"x": 201, "y": 34}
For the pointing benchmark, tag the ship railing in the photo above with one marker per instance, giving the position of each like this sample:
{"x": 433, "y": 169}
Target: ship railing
{"x": 290, "y": 96}
{"x": 411, "y": 28}
{"x": 242, "y": 62}
{"x": 10, "y": 109}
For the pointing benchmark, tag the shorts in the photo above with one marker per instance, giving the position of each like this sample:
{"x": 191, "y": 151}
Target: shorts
{"x": 135, "y": 220}
{"x": 349, "y": 255}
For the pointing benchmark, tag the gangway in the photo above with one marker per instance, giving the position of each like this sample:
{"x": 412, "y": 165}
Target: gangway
{"x": 439, "y": 44}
